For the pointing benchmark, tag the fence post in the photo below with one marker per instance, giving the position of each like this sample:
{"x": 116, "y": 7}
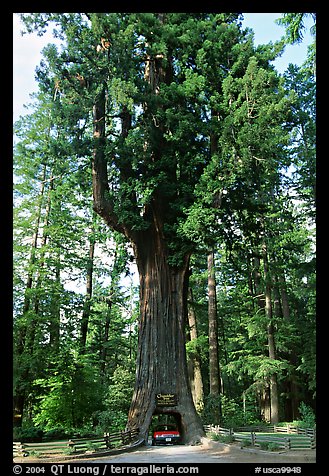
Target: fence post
{"x": 253, "y": 438}
{"x": 107, "y": 439}
{"x": 23, "y": 449}
{"x": 288, "y": 444}
{"x": 71, "y": 445}
{"x": 20, "y": 448}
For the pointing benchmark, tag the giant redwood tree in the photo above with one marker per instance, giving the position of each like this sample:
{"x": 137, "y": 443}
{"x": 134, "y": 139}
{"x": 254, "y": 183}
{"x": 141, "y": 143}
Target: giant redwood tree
{"x": 144, "y": 93}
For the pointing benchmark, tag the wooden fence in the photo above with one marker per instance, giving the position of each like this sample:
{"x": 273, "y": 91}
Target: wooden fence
{"x": 75, "y": 445}
{"x": 296, "y": 439}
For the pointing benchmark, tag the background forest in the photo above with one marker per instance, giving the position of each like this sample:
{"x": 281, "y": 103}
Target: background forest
{"x": 251, "y": 321}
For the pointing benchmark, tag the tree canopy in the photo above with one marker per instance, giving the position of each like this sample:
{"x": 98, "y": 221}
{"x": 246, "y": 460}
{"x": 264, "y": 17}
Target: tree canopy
{"x": 176, "y": 130}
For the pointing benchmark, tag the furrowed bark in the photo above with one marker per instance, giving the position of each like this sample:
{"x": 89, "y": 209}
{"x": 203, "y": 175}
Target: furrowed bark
{"x": 161, "y": 362}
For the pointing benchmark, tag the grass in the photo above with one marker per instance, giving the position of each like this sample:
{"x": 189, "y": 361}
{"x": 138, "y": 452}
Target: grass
{"x": 275, "y": 445}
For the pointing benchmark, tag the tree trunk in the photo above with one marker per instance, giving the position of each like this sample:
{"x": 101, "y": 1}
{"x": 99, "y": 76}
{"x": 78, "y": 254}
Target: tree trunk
{"x": 292, "y": 389}
{"x": 161, "y": 355}
{"x": 214, "y": 374}
{"x": 55, "y": 319}
{"x": 19, "y": 394}
{"x": 161, "y": 359}
{"x": 89, "y": 292}
{"x": 274, "y": 396}
{"x": 195, "y": 361}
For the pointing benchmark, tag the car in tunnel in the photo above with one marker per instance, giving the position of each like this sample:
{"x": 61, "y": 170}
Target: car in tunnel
{"x": 166, "y": 435}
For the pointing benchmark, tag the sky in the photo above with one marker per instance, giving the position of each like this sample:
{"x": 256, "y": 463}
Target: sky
{"x": 27, "y": 53}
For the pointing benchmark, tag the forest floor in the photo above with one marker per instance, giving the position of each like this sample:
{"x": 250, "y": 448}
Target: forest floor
{"x": 208, "y": 452}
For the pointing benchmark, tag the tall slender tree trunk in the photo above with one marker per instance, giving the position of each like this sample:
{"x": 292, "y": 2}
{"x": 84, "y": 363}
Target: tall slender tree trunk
{"x": 27, "y": 332}
{"x": 195, "y": 361}
{"x": 89, "y": 292}
{"x": 103, "y": 353}
{"x": 54, "y": 326}
{"x": 31, "y": 332}
{"x": 292, "y": 389}
{"x": 214, "y": 373}
{"x": 274, "y": 396}
{"x": 269, "y": 398}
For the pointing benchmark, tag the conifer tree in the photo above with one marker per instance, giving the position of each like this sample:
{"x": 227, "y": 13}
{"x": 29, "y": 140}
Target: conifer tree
{"x": 173, "y": 111}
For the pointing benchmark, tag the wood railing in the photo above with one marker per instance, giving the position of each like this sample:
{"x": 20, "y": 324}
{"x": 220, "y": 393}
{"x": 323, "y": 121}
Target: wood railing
{"x": 296, "y": 439}
{"x": 75, "y": 445}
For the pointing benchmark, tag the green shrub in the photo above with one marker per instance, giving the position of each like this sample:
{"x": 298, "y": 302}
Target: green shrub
{"x": 245, "y": 442}
{"x": 28, "y": 435}
{"x": 34, "y": 453}
{"x": 57, "y": 433}
{"x": 109, "y": 421}
{"x": 69, "y": 451}
{"x": 228, "y": 439}
{"x": 307, "y": 416}
{"x": 222, "y": 438}
{"x": 264, "y": 445}
{"x": 231, "y": 412}
{"x": 272, "y": 446}
{"x": 91, "y": 446}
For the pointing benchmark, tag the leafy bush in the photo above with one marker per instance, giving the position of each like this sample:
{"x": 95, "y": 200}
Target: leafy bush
{"x": 68, "y": 451}
{"x": 91, "y": 446}
{"x": 233, "y": 415}
{"x": 269, "y": 445}
{"x": 34, "y": 453}
{"x": 227, "y": 439}
{"x": 231, "y": 412}
{"x": 222, "y": 438}
{"x": 272, "y": 446}
{"x": 245, "y": 442}
{"x": 264, "y": 445}
{"x": 28, "y": 435}
{"x": 57, "y": 433}
{"x": 212, "y": 410}
{"x": 107, "y": 421}
{"x": 69, "y": 395}
{"x": 307, "y": 416}
{"x": 117, "y": 403}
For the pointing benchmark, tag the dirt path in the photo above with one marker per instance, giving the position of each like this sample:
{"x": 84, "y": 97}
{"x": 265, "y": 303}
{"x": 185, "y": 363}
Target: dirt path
{"x": 208, "y": 452}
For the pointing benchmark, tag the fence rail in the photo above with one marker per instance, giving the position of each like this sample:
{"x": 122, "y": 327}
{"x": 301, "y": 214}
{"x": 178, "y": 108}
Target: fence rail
{"x": 75, "y": 445}
{"x": 296, "y": 439}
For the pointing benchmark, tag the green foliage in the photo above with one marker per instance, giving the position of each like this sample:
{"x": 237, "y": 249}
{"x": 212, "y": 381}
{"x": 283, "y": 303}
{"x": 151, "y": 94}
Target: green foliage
{"x": 264, "y": 445}
{"x": 222, "y": 438}
{"x": 294, "y": 23}
{"x": 198, "y": 346}
{"x": 117, "y": 402}
{"x": 220, "y": 152}
{"x": 56, "y": 433}
{"x": 72, "y": 394}
{"x": 211, "y": 409}
{"x": 246, "y": 442}
{"x": 233, "y": 414}
{"x": 28, "y": 435}
{"x": 307, "y": 416}
{"x": 272, "y": 446}
{"x": 120, "y": 391}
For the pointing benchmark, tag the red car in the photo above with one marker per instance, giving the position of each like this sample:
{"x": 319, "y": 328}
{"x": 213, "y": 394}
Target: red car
{"x": 166, "y": 434}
